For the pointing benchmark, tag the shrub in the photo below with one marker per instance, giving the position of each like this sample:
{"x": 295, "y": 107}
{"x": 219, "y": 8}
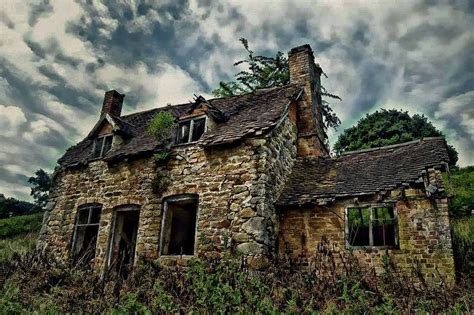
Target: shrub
{"x": 223, "y": 285}
{"x": 15, "y": 226}
{"x": 161, "y": 126}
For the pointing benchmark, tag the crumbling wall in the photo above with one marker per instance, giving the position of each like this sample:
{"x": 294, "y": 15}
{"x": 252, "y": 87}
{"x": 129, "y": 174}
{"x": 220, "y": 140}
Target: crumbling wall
{"x": 423, "y": 234}
{"x": 236, "y": 185}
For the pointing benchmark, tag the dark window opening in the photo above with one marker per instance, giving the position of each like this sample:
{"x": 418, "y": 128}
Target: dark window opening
{"x": 86, "y": 230}
{"x": 191, "y": 130}
{"x": 179, "y": 226}
{"x": 371, "y": 226}
{"x": 124, "y": 237}
{"x": 102, "y": 145}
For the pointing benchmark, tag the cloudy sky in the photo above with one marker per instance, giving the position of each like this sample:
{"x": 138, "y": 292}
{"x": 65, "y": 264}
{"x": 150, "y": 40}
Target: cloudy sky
{"x": 58, "y": 57}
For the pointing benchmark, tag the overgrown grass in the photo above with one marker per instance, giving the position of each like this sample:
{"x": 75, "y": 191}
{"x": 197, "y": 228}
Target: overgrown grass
{"x": 15, "y": 226}
{"x": 463, "y": 243}
{"x": 19, "y": 245}
{"x": 38, "y": 283}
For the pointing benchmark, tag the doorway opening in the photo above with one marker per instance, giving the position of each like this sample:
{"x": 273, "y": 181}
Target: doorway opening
{"x": 124, "y": 237}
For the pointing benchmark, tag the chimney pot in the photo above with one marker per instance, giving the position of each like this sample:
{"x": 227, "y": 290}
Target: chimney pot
{"x": 112, "y": 105}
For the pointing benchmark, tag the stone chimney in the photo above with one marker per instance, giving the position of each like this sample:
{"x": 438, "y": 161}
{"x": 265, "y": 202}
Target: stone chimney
{"x": 112, "y": 105}
{"x": 311, "y": 131}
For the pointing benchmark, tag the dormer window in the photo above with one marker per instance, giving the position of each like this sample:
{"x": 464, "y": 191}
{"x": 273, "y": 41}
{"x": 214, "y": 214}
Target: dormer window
{"x": 102, "y": 145}
{"x": 191, "y": 130}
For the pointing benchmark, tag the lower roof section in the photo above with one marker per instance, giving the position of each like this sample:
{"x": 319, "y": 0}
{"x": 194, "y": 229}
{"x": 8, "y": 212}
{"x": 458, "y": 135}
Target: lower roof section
{"x": 362, "y": 172}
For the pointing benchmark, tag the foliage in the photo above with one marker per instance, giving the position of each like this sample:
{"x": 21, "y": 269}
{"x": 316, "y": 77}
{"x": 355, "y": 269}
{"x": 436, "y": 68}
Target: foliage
{"x": 15, "y": 226}
{"x": 463, "y": 243}
{"x": 37, "y": 282}
{"x": 20, "y": 244}
{"x": 386, "y": 127}
{"x": 13, "y": 207}
{"x": 41, "y": 184}
{"x": 461, "y": 187}
{"x": 161, "y": 126}
{"x": 266, "y": 72}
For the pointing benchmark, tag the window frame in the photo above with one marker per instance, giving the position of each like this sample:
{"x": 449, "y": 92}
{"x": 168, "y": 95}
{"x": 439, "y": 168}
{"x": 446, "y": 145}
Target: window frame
{"x": 101, "y": 155}
{"x": 371, "y": 207}
{"x": 191, "y": 129}
{"x": 77, "y": 225}
{"x": 177, "y": 198}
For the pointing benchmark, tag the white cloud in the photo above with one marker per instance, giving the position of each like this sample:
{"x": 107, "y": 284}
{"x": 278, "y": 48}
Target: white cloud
{"x": 11, "y": 119}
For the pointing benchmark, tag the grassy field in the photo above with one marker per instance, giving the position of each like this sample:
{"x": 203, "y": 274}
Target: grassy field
{"x": 18, "y": 234}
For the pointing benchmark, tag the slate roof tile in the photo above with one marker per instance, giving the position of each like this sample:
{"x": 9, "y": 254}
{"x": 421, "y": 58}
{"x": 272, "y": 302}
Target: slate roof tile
{"x": 362, "y": 172}
{"x": 247, "y": 115}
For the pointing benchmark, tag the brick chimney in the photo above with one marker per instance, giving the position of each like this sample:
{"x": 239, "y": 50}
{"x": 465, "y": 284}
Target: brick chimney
{"x": 311, "y": 131}
{"x": 112, "y": 105}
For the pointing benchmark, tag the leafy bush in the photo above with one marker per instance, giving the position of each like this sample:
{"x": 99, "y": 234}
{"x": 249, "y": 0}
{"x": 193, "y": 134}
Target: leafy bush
{"x": 15, "y": 226}
{"x": 39, "y": 283}
{"x": 161, "y": 126}
{"x": 462, "y": 191}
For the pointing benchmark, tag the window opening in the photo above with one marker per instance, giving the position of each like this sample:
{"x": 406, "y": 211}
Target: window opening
{"x": 191, "y": 130}
{"x": 86, "y": 230}
{"x": 179, "y": 226}
{"x": 102, "y": 145}
{"x": 371, "y": 226}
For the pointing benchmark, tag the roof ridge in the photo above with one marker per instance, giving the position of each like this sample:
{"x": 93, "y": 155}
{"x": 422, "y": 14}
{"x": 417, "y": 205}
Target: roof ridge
{"x": 212, "y": 99}
{"x": 420, "y": 140}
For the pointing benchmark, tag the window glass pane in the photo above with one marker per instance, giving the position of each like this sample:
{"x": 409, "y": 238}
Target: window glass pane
{"x": 95, "y": 215}
{"x": 183, "y": 134}
{"x": 98, "y": 147}
{"x": 83, "y": 216}
{"x": 358, "y": 224}
{"x": 107, "y": 144}
{"x": 198, "y": 129}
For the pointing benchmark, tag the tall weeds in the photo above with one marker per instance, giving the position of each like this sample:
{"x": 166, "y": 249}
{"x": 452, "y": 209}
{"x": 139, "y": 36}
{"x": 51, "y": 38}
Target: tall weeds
{"x": 36, "y": 282}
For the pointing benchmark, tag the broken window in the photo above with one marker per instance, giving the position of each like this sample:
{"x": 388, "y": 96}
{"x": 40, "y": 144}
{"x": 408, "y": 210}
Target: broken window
{"x": 371, "y": 226}
{"x": 191, "y": 130}
{"x": 124, "y": 237}
{"x": 86, "y": 230}
{"x": 102, "y": 145}
{"x": 179, "y": 225}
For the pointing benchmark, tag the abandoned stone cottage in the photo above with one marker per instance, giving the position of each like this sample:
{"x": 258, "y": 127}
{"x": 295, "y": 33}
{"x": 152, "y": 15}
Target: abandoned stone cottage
{"x": 251, "y": 170}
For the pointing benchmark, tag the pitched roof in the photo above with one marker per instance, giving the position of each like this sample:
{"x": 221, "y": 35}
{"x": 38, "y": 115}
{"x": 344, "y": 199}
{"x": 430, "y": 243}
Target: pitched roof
{"x": 362, "y": 172}
{"x": 248, "y": 115}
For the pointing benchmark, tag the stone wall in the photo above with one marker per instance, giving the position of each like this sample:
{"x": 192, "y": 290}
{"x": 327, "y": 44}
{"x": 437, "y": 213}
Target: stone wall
{"x": 237, "y": 186}
{"x": 423, "y": 234}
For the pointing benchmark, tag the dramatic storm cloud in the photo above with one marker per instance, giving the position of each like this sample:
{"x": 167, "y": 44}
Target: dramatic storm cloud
{"x": 58, "y": 57}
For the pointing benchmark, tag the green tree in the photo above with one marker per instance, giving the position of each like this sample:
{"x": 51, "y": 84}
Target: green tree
{"x": 462, "y": 191}
{"x": 386, "y": 127}
{"x": 41, "y": 184}
{"x": 266, "y": 72}
{"x": 161, "y": 128}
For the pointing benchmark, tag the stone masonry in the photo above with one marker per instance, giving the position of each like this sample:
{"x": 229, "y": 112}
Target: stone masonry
{"x": 263, "y": 179}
